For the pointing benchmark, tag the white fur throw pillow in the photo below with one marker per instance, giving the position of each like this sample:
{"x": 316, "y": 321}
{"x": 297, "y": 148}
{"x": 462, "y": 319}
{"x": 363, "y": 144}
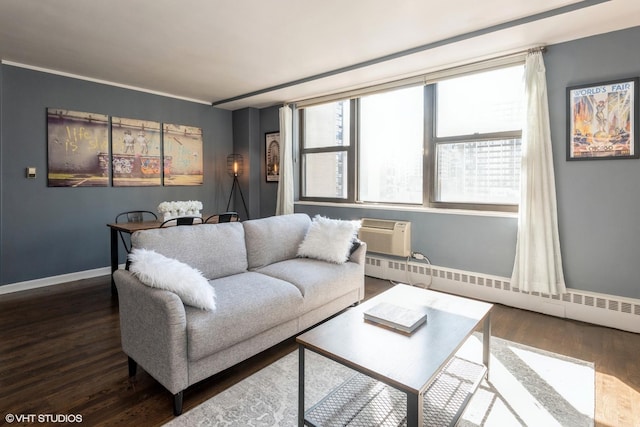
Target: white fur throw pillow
{"x": 158, "y": 271}
{"x": 329, "y": 239}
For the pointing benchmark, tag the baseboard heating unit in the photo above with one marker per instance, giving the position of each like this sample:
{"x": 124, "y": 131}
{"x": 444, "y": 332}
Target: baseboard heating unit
{"x": 600, "y": 309}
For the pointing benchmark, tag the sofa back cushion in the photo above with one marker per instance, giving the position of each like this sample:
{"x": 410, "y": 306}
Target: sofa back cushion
{"x": 217, "y": 250}
{"x": 275, "y": 238}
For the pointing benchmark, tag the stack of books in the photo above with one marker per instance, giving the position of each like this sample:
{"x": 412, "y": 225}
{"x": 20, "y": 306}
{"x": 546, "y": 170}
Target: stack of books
{"x": 402, "y": 319}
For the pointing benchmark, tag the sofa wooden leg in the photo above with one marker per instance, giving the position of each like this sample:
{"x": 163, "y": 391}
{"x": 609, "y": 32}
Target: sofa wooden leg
{"x": 177, "y": 403}
{"x": 133, "y": 365}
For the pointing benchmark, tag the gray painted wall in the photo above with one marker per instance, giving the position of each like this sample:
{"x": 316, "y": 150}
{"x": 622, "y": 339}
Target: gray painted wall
{"x": 269, "y": 122}
{"x": 51, "y": 231}
{"x": 246, "y": 141}
{"x": 249, "y": 127}
{"x": 598, "y": 200}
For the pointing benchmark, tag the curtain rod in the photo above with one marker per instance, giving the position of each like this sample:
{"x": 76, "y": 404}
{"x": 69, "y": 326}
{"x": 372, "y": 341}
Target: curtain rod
{"x": 541, "y": 49}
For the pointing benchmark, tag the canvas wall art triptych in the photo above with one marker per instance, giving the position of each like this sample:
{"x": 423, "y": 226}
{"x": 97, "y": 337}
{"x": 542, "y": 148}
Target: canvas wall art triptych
{"x": 95, "y": 150}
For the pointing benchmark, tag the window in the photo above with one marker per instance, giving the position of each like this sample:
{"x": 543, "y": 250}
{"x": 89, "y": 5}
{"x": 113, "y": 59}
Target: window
{"x": 453, "y": 143}
{"x": 391, "y": 141}
{"x": 478, "y": 130}
{"x": 326, "y": 137}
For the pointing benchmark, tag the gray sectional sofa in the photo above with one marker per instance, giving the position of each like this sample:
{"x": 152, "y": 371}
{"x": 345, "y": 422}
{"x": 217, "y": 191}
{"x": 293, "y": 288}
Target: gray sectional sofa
{"x": 265, "y": 294}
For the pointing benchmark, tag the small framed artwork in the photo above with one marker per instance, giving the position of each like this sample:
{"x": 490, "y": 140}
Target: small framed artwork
{"x": 272, "y": 154}
{"x": 602, "y": 120}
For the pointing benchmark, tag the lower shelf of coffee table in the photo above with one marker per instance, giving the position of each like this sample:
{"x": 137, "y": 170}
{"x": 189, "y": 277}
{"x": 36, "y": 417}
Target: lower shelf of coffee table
{"x": 363, "y": 401}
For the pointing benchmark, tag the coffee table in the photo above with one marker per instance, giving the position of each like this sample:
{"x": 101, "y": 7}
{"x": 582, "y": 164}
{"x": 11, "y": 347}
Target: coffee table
{"x": 401, "y": 379}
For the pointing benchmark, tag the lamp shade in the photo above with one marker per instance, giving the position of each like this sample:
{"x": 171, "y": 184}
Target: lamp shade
{"x": 235, "y": 166}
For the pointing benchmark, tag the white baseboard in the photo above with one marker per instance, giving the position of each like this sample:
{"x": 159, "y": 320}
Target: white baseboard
{"x": 54, "y": 280}
{"x": 600, "y": 309}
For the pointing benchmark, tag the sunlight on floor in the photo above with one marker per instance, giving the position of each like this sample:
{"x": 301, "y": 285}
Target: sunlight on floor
{"x": 618, "y": 394}
{"x": 562, "y": 376}
{"x": 511, "y": 400}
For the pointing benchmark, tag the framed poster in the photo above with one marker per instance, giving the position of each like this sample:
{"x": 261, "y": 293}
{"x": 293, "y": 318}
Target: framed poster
{"x": 272, "y": 156}
{"x": 602, "y": 120}
{"x": 182, "y": 150}
{"x": 135, "y": 152}
{"x": 78, "y": 149}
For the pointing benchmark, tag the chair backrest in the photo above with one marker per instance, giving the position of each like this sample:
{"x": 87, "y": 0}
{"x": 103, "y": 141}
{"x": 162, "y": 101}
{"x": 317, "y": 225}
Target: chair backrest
{"x": 135, "y": 216}
{"x": 223, "y": 217}
{"x": 182, "y": 220}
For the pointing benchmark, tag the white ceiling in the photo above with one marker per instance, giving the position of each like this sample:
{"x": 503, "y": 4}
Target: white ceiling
{"x": 215, "y": 50}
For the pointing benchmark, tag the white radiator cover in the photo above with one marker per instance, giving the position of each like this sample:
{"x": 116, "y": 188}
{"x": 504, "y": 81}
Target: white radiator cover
{"x": 386, "y": 236}
{"x": 600, "y": 309}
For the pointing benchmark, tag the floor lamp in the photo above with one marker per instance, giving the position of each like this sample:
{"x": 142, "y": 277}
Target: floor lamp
{"x": 235, "y": 168}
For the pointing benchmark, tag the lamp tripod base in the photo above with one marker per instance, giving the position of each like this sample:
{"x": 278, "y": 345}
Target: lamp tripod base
{"x": 233, "y": 187}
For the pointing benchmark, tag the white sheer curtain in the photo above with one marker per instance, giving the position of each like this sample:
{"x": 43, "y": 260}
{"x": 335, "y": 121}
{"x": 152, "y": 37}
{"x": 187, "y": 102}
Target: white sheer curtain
{"x": 284, "y": 201}
{"x": 538, "y": 263}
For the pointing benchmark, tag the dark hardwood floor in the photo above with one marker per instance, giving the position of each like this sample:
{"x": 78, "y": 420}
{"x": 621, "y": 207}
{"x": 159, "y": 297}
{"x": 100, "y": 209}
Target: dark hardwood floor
{"x": 60, "y": 354}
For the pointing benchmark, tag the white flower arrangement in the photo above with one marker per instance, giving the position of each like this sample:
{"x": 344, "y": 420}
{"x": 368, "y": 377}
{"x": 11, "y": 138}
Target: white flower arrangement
{"x": 175, "y": 209}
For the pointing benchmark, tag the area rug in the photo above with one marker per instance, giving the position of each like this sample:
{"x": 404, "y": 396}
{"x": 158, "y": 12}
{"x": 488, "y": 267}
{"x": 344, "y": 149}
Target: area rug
{"x": 527, "y": 387}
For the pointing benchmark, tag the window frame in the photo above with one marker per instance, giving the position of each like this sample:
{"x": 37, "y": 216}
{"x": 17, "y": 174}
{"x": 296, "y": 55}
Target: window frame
{"x": 350, "y": 150}
{"x": 433, "y": 141}
{"x": 430, "y": 142}
{"x": 498, "y": 136}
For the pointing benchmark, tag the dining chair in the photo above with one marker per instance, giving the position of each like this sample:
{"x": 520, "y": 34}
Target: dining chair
{"x": 132, "y": 216}
{"x": 135, "y": 216}
{"x": 182, "y": 220}
{"x": 223, "y": 217}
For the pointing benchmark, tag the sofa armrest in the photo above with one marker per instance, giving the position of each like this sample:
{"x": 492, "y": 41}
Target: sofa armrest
{"x": 153, "y": 329}
{"x": 358, "y": 256}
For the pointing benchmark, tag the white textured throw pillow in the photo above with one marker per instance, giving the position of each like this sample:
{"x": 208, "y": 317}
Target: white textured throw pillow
{"x": 329, "y": 239}
{"x": 158, "y": 271}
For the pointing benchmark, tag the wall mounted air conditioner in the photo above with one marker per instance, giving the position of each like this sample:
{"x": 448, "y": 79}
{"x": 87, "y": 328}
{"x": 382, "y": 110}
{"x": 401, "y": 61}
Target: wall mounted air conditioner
{"x": 386, "y": 236}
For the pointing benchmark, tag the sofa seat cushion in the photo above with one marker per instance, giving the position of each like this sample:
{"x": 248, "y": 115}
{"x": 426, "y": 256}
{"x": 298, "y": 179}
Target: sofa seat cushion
{"x": 318, "y": 281}
{"x": 216, "y": 250}
{"x": 246, "y": 305}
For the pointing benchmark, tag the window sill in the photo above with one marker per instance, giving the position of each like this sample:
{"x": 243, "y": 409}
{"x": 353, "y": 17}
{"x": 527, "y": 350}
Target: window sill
{"x": 411, "y": 208}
